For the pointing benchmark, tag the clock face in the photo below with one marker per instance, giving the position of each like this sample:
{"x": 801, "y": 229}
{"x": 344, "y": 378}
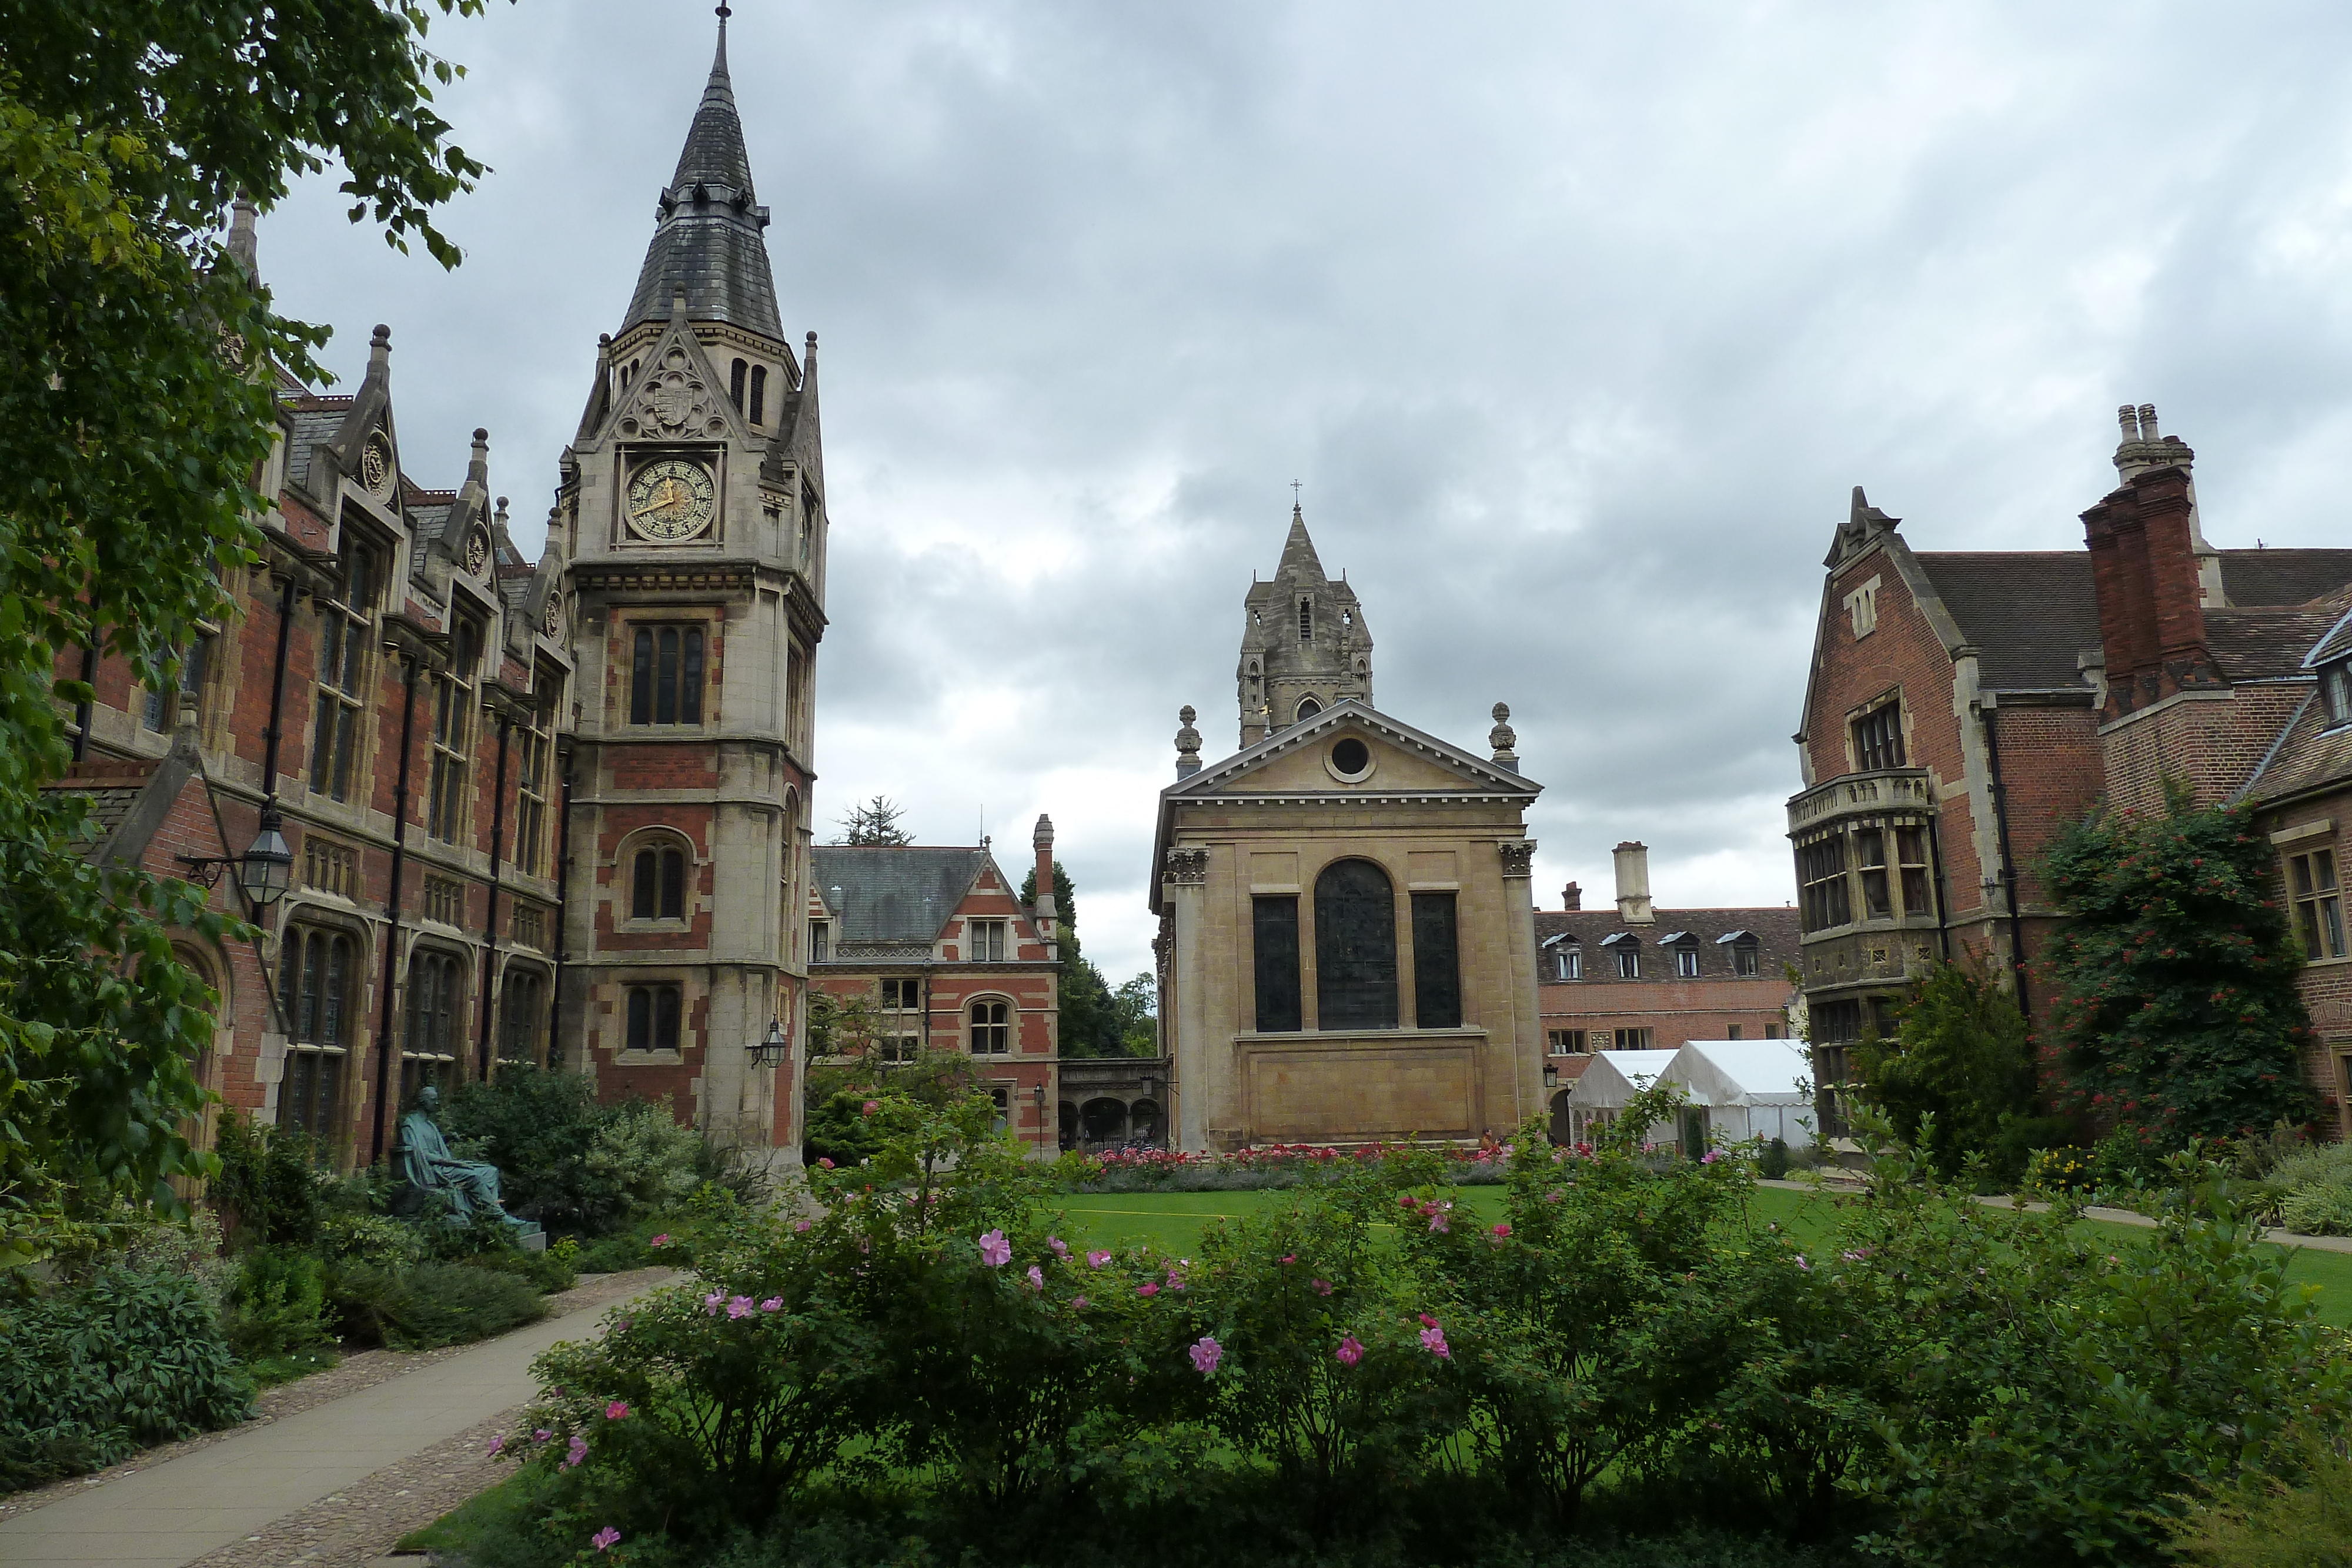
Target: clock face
{"x": 671, "y": 499}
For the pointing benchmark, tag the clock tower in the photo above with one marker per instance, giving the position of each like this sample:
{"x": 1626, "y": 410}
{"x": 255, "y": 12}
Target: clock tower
{"x": 688, "y": 555}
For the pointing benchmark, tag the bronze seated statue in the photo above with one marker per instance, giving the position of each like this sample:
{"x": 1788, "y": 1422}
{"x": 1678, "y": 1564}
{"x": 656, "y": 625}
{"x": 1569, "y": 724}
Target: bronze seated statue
{"x": 470, "y": 1187}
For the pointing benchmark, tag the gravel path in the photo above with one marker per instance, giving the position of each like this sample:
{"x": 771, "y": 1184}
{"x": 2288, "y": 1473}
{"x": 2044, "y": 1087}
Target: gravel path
{"x": 359, "y": 1521}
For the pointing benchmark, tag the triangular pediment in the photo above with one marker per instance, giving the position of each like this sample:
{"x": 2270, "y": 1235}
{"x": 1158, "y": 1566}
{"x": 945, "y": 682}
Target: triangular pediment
{"x": 677, "y": 395}
{"x": 1311, "y": 759}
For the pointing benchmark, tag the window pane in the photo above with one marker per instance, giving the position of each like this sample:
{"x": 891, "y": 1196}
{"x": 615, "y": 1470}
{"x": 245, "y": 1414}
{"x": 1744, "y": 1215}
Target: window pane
{"x": 641, "y": 1019}
{"x": 690, "y": 695}
{"x": 1274, "y": 930}
{"x": 332, "y": 990}
{"x": 665, "y": 679}
{"x": 344, "y": 720}
{"x": 1436, "y": 963}
{"x": 640, "y": 680}
{"x": 644, "y": 886}
{"x": 673, "y": 886}
{"x": 1355, "y": 947}
{"x": 666, "y": 1018}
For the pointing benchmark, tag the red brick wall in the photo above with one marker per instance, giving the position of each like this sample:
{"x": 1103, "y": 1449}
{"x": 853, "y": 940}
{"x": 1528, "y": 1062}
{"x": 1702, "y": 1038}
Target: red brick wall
{"x": 1674, "y": 1012}
{"x": 2212, "y": 744}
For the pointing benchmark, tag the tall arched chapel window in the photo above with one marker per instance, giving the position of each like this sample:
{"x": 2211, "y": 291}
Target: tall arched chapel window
{"x": 1355, "y": 947}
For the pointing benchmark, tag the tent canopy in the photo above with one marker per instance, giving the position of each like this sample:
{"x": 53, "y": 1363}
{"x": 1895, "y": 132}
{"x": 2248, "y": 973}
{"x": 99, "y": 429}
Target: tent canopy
{"x": 1609, "y": 1082}
{"x": 1747, "y": 1072}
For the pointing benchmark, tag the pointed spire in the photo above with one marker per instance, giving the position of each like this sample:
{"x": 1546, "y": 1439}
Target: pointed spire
{"x": 706, "y": 239}
{"x": 1298, "y": 551}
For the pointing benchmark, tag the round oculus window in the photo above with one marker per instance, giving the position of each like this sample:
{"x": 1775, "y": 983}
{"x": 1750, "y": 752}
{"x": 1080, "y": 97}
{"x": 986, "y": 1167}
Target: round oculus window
{"x": 1351, "y": 758}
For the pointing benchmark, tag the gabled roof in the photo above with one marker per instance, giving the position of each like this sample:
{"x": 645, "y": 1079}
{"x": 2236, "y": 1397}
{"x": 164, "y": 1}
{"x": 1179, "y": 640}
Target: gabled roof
{"x": 708, "y": 241}
{"x": 901, "y": 892}
{"x": 1480, "y": 776}
{"x": 2029, "y": 613}
{"x": 1772, "y": 928}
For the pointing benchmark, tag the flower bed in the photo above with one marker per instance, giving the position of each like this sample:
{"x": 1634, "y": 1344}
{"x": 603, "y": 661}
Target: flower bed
{"x": 1262, "y": 1166}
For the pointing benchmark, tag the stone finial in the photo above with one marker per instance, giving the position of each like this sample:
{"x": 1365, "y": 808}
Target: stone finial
{"x": 1504, "y": 738}
{"x": 1188, "y": 743}
{"x": 477, "y": 468}
{"x": 243, "y": 246}
{"x": 379, "y": 346}
{"x": 1043, "y": 839}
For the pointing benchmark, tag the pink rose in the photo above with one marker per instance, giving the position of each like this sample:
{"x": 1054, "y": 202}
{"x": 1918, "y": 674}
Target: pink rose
{"x": 1097, "y": 1260}
{"x": 1078, "y": 1303}
{"x": 1036, "y": 1278}
{"x": 1322, "y": 1287}
{"x": 713, "y": 1301}
{"x": 1350, "y": 1351}
{"x": 1432, "y": 1340}
{"x": 1061, "y": 1248}
{"x": 1206, "y": 1354}
{"x": 1147, "y": 1289}
{"x": 995, "y": 1250}
{"x": 869, "y": 1107}
{"x": 497, "y": 1444}
{"x": 772, "y": 1304}
{"x": 824, "y": 1164}
{"x": 739, "y": 1307}
{"x": 618, "y": 1410}
{"x": 542, "y": 1435}
{"x": 799, "y": 1226}
{"x": 576, "y": 1452}
{"x": 661, "y": 1240}
{"x": 1503, "y": 1229}
{"x": 605, "y": 1538}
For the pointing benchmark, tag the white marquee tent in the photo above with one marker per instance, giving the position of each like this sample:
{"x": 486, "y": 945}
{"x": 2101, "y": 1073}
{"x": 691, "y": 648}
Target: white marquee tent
{"x": 1748, "y": 1088}
{"x": 1608, "y": 1082}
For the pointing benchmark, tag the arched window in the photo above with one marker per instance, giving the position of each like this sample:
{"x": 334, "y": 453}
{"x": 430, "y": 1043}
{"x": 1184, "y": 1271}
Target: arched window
{"x": 657, "y": 885}
{"x": 653, "y": 1013}
{"x": 758, "y": 394}
{"x": 992, "y": 1029}
{"x": 735, "y": 383}
{"x": 316, "y": 972}
{"x": 435, "y": 999}
{"x": 1355, "y": 947}
{"x": 1308, "y": 708}
{"x": 666, "y": 675}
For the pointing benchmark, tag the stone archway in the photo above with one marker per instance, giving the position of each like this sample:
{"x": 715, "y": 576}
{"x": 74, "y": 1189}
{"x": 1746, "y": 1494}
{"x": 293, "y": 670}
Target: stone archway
{"x": 1562, "y": 1131}
{"x": 1102, "y": 1121}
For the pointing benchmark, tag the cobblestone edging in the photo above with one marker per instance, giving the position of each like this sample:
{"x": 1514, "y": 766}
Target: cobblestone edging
{"x": 362, "y": 1370}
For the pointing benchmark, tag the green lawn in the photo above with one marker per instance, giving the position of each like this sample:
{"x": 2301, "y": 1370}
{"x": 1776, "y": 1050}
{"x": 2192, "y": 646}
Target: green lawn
{"x": 1173, "y": 1222}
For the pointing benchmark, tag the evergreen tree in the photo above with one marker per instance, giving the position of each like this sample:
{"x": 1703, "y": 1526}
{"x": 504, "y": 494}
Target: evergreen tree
{"x": 874, "y": 821}
{"x": 1961, "y": 1054}
{"x": 1092, "y": 1021}
{"x": 2173, "y": 1008}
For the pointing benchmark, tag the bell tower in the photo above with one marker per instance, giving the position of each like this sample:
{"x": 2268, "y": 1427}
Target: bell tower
{"x": 689, "y": 529}
{"x": 1303, "y": 643}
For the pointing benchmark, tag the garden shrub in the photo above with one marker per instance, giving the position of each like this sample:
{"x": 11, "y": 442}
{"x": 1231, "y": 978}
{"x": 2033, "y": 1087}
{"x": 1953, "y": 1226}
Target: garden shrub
{"x": 571, "y": 1164}
{"x": 2173, "y": 1008}
{"x": 92, "y": 1373}
{"x": 2314, "y": 1190}
{"x": 1772, "y": 1161}
{"x": 277, "y": 1305}
{"x": 913, "y": 1367}
{"x": 268, "y": 1188}
{"x": 2298, "y": 1519}
{"x": 431, "y": 1304}
{"x": 1958, "y": 1068}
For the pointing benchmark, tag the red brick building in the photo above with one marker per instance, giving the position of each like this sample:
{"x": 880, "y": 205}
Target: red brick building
{"x": 1962, "y": 706}
{"x": 387, "y": 693}
{"x": 1636, "y": 977}
{"x": 552, "y": 811}
{"x": 937, "y": 940}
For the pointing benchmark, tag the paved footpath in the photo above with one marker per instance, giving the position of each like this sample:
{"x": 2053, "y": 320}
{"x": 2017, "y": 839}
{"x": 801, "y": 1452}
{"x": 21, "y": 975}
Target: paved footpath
{"x": 2113, "y": 1216}
{"x": 224, "y": 1496}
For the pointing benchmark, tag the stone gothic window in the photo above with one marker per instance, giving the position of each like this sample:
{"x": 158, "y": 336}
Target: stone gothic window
{"x": 1305, "y": 621}
{"x": 317, "y": 971}
{"x": 436, "y": 983}
{"x": 1308, "y": 708}
{"x": 758, "y": 394}
{"x": 735, "y": 378}
{"x": 1274, "y": 927}
{"x": 1355, "y": 947}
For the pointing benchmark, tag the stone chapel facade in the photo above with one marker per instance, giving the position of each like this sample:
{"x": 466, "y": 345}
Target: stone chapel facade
{"x": 1347, "y": 936}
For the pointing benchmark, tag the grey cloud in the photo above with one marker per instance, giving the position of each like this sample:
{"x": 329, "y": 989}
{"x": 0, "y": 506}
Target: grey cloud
{"x": 1575, "y": 322}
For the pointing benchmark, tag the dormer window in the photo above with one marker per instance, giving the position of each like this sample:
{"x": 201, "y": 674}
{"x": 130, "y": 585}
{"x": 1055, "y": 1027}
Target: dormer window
{"x": 1568, "y": 962}
{"x": 1628, "y": 948}
{"x": 2336, "y": 687}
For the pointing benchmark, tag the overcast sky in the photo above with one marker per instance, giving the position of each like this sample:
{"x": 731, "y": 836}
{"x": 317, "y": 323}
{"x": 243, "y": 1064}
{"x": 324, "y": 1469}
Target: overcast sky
{"x": 1576, "y": 323}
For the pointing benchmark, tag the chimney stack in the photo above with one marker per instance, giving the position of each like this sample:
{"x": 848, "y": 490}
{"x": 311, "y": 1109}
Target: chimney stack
{"x": 1043, "y": 912}
{"x": 1571, "y": 898}
{"x": 2152, "y": 571}
{"x": 1634, "y": 884}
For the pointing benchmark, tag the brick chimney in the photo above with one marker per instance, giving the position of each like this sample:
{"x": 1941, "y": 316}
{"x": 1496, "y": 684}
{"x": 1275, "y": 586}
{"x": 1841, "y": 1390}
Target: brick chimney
{"x": 1634, "y": 884}
{"x": 1047, "y": 917}
{"x": 1571, "y": 898}
{"x": 2148, "y": 573}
